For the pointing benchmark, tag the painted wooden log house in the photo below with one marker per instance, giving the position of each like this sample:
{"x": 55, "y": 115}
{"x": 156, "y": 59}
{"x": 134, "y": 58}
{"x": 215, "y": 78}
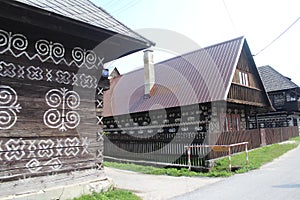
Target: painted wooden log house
{"x": 51, "y": 93}
{"x": 187, "y": 99}
{"x": 284, "y": 95}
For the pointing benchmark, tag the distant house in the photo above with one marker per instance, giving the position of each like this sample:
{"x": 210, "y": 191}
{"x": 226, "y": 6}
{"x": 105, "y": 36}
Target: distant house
{"x": 51, "y": 95}
{"x": 284, "y": 95}
{"x": 283, "y": 92}
{"x": 209, "y": 90}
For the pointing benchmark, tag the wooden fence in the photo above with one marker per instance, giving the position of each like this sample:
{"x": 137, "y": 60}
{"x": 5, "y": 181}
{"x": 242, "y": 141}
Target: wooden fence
{"x": 169, "y": 150}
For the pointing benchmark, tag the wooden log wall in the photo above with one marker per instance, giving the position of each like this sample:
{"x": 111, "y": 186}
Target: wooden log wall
{"x": 49, "y": 90}
{"x": 153, "y": 135}
{"x": 160, "y": 135}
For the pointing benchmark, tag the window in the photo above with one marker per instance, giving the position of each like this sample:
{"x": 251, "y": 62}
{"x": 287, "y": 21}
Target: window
{"x": 224, "y": 121}
{"x": 244, "y": 80}
{"x": 230, "y": 122}
{"x": 290, "y": 97}
{"x": 236, "y": 122}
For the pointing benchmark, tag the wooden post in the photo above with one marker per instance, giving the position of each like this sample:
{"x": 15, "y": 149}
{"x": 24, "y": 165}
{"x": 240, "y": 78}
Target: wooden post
{"x": 262, "y": 137}
{"x": 229, "y": 157}
{"x": 247, "y": 155}
{"x": 189, "y": 158}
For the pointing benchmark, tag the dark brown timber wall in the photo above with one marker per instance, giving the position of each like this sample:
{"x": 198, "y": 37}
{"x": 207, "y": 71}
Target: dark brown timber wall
{"x": 48, "y": 122}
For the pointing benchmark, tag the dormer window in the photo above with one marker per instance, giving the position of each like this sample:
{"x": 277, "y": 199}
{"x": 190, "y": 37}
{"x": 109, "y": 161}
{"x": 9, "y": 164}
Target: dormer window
{"x": 244, "y": 80}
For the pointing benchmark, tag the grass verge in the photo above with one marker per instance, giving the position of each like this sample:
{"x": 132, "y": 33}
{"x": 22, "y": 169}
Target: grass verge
{"x": 113, "y": 194}
{"x": 257, "y": 158}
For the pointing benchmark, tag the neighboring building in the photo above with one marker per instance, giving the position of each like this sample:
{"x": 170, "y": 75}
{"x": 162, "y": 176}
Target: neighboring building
{"x": 114, "y": 73}
{"x": 51, "y": 59}
{"x": 203, "y": 92}
{"x": 285, "y": 97}
{"x": 283, "y": 92}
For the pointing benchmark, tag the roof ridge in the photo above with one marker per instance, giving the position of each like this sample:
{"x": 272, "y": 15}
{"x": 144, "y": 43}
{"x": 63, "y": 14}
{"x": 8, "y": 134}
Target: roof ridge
{"x": 187, "y": 53}
{"x": 277, "y": 72}
{"x": 201, "y": 49}
{"x": 268, "y": 74}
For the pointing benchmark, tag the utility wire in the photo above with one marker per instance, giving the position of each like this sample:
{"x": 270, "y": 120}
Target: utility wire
{"x": 111, "y": 3}
{"x": 126, "y": 7}
{"x": 278, "y": 36}
{"x": 229, "y": 16}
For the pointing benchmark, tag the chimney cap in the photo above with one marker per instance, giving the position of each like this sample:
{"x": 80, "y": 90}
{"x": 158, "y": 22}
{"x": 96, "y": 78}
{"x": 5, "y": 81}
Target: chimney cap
{"x": 147, "y": 96}
{"x": 148, "y": 50}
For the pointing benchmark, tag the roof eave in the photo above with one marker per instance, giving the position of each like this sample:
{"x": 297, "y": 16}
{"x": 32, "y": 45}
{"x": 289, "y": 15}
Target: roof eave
{"x": 81, "y": 25}
{"x": 234, "y": 68}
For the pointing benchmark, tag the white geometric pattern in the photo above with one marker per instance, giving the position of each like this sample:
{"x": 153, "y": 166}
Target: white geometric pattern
{"x": 59, "y": 116}
{"x": 100, "y": 91}
{"x": 7, "y": 70}
{"x": 34, "y": 165}
{"x": 35, "y": 73}
{"x": 73, "y": 146}
{"x": 15, "y": 149}
{"x": 12, "y": 70}
{"x": 45, "y": 148}
{"x": 8, "y": 107}
{"x": 63, "y": 77}
{"x": 99, "y": 120}
{"x": 99, "y": 103}
{"x": 43, "y": 153}
{"x": 16, "y": 44}
{"x": 49, "y": 75}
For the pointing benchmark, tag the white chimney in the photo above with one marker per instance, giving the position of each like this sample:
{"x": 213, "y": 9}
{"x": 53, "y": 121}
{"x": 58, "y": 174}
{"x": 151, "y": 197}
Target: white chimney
{"x": 149, "y": 73}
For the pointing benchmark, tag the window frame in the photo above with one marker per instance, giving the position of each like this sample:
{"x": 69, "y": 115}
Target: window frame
{"x": 244, "y": 78}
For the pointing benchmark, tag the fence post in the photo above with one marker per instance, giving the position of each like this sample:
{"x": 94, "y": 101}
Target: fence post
{"x": 229, "y": 157}
{"x": 281, "y": 136}
{"x": 189, "y": 157}
{"x": 247, "y": 158}
{"x": 263, "y": 141}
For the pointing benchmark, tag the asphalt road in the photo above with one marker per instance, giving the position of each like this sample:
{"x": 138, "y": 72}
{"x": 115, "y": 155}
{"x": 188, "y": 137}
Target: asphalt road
{"x": 279, "y": 180}
{"x": 156, "y": 187}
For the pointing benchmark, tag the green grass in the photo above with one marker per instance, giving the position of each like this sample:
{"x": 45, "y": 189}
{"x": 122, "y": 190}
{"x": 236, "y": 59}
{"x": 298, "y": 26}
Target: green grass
{"x": 257, "y": 158}
{"x": 113, "y": 194}
{"x": 152, "y": 170}
{"x": 297, "y": 139}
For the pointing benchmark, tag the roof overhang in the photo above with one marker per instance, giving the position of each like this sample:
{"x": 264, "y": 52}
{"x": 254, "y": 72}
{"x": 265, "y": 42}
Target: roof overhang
{"x": 121, "y": 45}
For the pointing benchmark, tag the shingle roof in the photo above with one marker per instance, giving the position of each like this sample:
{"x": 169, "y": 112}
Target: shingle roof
{"x": 273, "y": 80}
{"x": 200, "y": 76}
{"x": 87, "y": 12}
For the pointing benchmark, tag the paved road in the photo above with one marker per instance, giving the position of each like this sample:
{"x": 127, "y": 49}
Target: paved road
{"x": 154, "y": 187}
{"x": 279, "y": 180}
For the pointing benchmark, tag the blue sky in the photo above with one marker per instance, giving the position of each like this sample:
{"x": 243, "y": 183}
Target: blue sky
{"x": 207, "y": 22}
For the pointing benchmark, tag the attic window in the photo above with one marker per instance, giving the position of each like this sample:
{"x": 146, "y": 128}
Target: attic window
{"x": 244, "y": 80}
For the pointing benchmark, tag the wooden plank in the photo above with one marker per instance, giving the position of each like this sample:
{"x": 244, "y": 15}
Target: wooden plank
{"x": 49, "y": 181}
{"x": 47, "y": 169}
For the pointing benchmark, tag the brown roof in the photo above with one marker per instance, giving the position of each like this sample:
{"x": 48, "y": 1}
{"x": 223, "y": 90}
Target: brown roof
{"x": 200, "y": 76}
